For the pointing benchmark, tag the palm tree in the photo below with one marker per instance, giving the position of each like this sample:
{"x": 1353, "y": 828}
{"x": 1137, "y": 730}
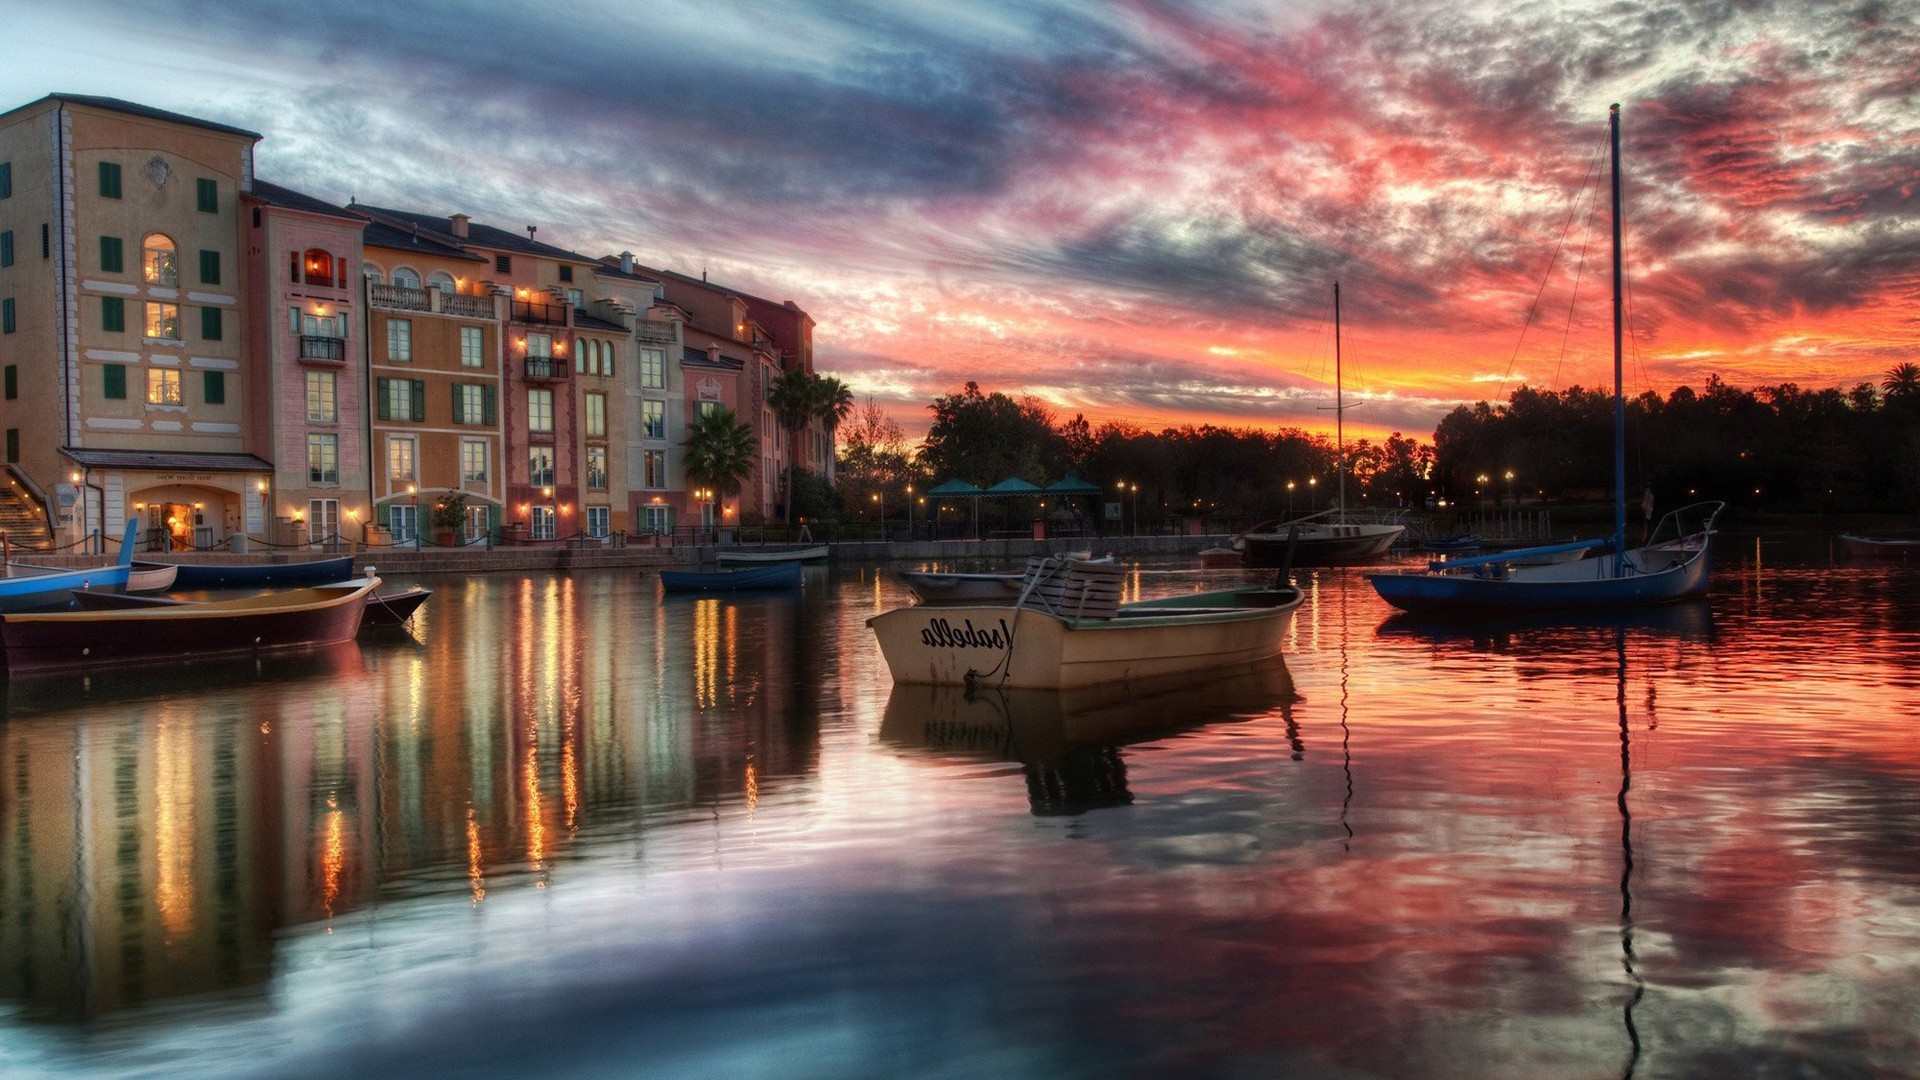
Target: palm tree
{"x": 1902, "y": 382}
{"x": 720, "y": 451}
{"x": 794, "y": 398}
{"x": 836, "y": 404}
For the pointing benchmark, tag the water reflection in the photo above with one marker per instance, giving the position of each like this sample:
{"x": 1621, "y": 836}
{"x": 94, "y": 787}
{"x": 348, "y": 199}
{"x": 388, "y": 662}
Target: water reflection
{"x": 1068, "y": 742}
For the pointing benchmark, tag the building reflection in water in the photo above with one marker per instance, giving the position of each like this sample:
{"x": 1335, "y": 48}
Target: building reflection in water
{"x": 158, "y": 829}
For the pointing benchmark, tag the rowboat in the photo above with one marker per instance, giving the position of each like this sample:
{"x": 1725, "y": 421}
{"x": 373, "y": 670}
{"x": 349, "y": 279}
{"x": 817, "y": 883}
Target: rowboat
{"x": 1868, "y": 547}
{"x": 1319, "y": 543}
{"x": 149, "y": 577}
{"x": 948, "y": 587}
{"x": 1069, "y": 631}
{"x": 394, "y": 608}
{"x": 737, "y": 556}
{"x": 262, "y": 575}
{"x": 41, "y": 588}
{"x": 296, "y": 618}
{"x": 383, "y": 609}
{"x": 777, "y": 575}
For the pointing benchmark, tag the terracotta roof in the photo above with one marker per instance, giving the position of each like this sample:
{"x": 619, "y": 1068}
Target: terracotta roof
{"x": 173, "y": 460}
{"x": 478, "y": 235}
{"x": 287, "y": 198}
{"x": 131, "y": 109}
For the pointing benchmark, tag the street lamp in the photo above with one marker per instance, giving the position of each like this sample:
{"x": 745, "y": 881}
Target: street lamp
{"x": 1313, "y": 493}
{"x": 880, "y": 501}
{"x": 413, "y": 499}
{"x": 1510, "y": 501}
{"x": 909, "y": 510}
{"x": 1135, "y": 489}
{"x": 1480, "y": 489}
{"x": 1290, "y": 487}
{"x": 553, "y": 514}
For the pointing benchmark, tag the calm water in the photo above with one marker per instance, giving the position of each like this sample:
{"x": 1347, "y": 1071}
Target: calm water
{"x": 570, "y": 828}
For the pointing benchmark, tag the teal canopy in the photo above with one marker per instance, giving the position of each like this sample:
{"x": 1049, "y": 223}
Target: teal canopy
{"x": 1073, "y": 485}
{"x": 1013, "y": 485}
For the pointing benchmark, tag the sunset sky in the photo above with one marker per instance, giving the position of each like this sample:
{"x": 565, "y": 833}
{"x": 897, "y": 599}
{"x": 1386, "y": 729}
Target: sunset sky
{"x": 1132, "y": 209}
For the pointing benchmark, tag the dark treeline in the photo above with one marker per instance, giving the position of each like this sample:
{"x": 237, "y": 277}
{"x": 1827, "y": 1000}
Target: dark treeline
{"x": 1780, "y": 448}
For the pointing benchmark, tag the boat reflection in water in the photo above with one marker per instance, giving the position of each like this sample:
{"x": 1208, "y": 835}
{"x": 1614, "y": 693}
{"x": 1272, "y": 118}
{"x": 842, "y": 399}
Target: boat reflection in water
{"x": 1685, "y": 620}
{"x": 1068, "y": 742}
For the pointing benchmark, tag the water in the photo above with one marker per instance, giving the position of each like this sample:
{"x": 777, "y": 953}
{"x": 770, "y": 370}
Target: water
{"x": 576, "y": 829}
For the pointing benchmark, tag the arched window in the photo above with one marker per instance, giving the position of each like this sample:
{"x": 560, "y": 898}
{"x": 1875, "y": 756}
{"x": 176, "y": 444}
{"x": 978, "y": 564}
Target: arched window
{"x": 405, "y": 277}
{"x": 443, "y": 281}
{"x": 161, "y": 266}
{"x": 318, "y": 265}
{"x": 371, "y": 273}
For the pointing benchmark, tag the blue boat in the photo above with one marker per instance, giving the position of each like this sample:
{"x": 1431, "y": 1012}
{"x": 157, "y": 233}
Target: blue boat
{"x": 262, "y": 575}
{"x": 779, "y": 575}
{"x": 1672, "y": 565}
{"x": 42, "y": 588}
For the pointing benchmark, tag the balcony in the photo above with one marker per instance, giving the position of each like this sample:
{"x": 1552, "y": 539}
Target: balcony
{"x": 546, "y": 368}
{"x": 531, "y": 311}
{"x": 398, "y": 296}
{"x": 655, "y": 331}
{"x": 473, "y": 307}
{"x": 322, "y": 350}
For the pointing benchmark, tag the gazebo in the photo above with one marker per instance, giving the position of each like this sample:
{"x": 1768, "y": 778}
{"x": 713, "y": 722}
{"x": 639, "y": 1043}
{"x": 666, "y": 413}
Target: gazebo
{"x": 1011, "y": 486}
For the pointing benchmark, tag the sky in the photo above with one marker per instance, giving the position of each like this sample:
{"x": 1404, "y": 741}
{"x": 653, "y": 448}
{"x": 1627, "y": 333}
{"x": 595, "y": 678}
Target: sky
{"x": 1134, "y": 210}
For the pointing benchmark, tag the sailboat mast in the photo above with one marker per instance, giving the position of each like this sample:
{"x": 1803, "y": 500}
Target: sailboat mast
{"x": 1619, "y": 403}
{"x": 1339, "y": 415}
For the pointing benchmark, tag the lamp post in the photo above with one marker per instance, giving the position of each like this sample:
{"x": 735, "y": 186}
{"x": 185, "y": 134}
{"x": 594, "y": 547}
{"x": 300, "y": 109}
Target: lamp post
{"x": 880, "y": 503}
{"x": 1313, "y": 493}
{"x": 1135, "y": 489}
{"x": 1290, "y": 486}
{"x": 413, "y": 499}
{"x": 1510, "y": 501}
{"x": 553, "y": 513}
{"x": 1480, "y": 489}
{"x": 909, "y": 511}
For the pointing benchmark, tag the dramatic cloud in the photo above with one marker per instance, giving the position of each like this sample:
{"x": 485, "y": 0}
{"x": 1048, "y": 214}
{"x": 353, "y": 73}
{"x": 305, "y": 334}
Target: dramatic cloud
{"x": 1133, "y": 210}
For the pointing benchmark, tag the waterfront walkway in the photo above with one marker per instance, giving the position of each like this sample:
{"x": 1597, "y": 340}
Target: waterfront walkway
{"x": 399, "y": 560}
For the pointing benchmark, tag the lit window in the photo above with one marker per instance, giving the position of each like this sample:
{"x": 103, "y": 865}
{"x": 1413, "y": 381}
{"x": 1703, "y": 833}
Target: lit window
{"x": 540, "y": 466}
{"x": 405, "y": 277}
{"x": 656, "y": 468}
{"x": 653, "y": 369}
{"x": 599, "y": 520}
{"x": 470, "y": 347}
{"x": 542, "y": 522}
{"x": 400, "y": 458}
{"x": 163, "y": 321}
{"x": 161, "y": 265}
{"x": 163, "y": 386}
{"x": 653, "y": 419}
{"x": 540, "y": 346}
{"x": 471, "y": 404}
{"x": 540, "y": 410}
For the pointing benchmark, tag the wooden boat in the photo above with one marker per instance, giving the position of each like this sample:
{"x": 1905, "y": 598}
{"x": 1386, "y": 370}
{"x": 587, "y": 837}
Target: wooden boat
{"x": 743, "y": 556}
{"x": 1070, "y": 631}
{"x": 946, "y": 587}
{"x": 262, "y": 575}
{"x": 1672, "y": 565}
{"x": 42, "y": 588}
{"x": 394, "y": 608}
{"x": 296, "y": 618}
{"x": 1868, "y": 547}
{"x": 149, "y": 577}
{"x": 774, "y": 575}
{"x": 1215, "y": 558}
{"x": 1337, "y": 540}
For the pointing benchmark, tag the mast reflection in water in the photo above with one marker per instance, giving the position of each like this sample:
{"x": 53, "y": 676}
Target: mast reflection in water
{"x": 574, "y": 826}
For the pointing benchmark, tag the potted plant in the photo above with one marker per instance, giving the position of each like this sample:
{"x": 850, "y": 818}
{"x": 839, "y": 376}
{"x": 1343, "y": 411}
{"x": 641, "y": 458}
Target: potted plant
{"x": 449, "y": 514}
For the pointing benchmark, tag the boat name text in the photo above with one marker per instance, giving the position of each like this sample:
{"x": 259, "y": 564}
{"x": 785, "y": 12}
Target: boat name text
{"x": 941, "y": 634}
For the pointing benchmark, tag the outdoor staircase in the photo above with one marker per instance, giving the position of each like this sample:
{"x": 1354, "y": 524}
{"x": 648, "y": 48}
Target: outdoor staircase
{"x": 22, "y": 521}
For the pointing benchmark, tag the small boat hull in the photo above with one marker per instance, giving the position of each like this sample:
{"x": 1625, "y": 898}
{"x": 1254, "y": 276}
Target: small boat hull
{"x": 1867, "y": 547}
{"x": 262, "y": 575}
{"x": 393, "y": 609}
{"x": 1020, "y": 648}
{"x": 1584, "y": 584}
{"x": 779, "y": 575}
{"x": 147, "y": 577}
{"x": 930, "y": 587}
{"x": 153, "y": 631}
{"x": 1322, "y": 544}
{"x": 747, "y": 556}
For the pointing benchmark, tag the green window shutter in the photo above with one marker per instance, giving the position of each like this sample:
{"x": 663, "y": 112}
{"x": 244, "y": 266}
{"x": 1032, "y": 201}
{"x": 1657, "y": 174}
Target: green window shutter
{"x": 418, "y": 398}
{"x": 6, "y": 316}
{"x": 6, "y": 179}
{"x": 214, "y": 386}
{"x": 13, "y": 381}
{"x": 486, "y": 404}
{"x": 209, "y": 267}
{"x": 113, "y": 313}
{"x": 113, "y": 382}
{"x": 459, "y": 413}
{"x": 210, "y": 323}
{"x": 208, "y": 193}
{"x": 381, "y": 399}
{"x": 6, "y": 248}
{"x": 13, "y": 445}
{"x": 111, "y": 259}
{"x": 109, "y": 180}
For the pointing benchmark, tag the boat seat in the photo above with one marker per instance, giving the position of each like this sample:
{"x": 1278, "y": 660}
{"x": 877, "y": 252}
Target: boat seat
{"x": 1072, "y": 589}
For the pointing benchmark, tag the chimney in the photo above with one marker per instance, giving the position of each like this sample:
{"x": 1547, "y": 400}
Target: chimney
{"x": 626, "y": 262}
{"x": 457, "y": 224}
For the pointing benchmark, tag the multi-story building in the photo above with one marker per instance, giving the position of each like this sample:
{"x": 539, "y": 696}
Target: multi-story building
{"x": 123, "y": 335}
{"x": 307, "y": 386}
{"x": 659, "y": 498}
{"x": 435, "y": 357}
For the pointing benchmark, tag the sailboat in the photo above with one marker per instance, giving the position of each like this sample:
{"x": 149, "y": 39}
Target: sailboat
{"x": 1326, "y": 538}
{"x": 1670, "y": 565}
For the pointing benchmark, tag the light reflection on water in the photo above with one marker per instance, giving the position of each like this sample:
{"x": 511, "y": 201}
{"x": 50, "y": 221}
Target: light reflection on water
{"x": 578, "y": 827}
